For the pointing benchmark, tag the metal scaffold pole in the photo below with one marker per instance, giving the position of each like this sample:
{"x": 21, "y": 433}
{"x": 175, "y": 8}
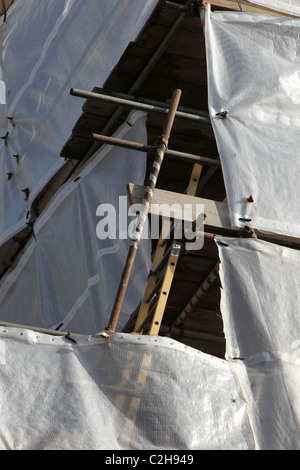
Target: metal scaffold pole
{"x": 122, "y": 99}
{"x": 158, "y": 159}
{"x": 151, "y": 149}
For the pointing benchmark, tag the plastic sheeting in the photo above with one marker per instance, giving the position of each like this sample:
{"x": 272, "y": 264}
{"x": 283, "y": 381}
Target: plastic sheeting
{"x": 126, "y": 392}
{"x": 291, "y": 7}
{"x": 47, "y": 47}
{"x": 260, "y": 310}
{"x": 66, "y": 273}
{"x": 253, "y": 75}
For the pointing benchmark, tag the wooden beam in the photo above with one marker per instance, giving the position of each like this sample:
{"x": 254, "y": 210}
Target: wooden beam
{"x": 217, "y": 217}
{"x": 247, "y": 7}
{"x": 4, "y": 6}
{"x": 193, "y": 334}
{"x": 216, "y": 213}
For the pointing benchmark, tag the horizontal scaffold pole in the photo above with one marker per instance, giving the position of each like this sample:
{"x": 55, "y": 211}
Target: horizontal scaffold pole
{"x": 91, "y": 95}
{"x": 152, "y": 150}
{"x": 143, "y": 99}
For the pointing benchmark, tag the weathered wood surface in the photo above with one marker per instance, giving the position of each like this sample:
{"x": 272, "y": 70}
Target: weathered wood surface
{"x": 216, "y": 213}
{"x": 246, "y": 6}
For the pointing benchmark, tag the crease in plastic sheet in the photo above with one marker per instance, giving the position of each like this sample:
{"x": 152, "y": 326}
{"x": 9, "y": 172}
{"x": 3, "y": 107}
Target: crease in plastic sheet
{"x": 126, "y": 392}
{"x": 66, "y": 274}
{"x": 253, "y": 66}
{"x": 260, "y": 309}
{"x": 47, "y": 47}
{"x": 291, "y": 7}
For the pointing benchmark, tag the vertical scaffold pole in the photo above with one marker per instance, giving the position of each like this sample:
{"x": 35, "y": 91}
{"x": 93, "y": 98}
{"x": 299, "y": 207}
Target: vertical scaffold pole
{"x": 158, "y": 159}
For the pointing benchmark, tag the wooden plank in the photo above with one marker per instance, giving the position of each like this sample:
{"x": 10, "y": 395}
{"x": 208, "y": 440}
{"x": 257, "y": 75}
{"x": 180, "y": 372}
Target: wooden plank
{"x": 182, "y": 291}
{"x": 167, "y": 16}
{"x": 11, "y": 248}
{"x": 91, "y": 123}
{"x": 181, "y": 294}
{"x": 161, "y": 88}
{"x": 137, "y": 50}
{"x": 194, "y": 333}
{"x": 183, "y": 68}
{"x": 182, "y": 128}
{"x": 54, "y": 184}
{"x": 5, "y": 6}
{"x": 247, "y": 7}
{"x": 76, "y": 148}
{"x": 198, "y": 311}
{"x": 190, "y": 268}
{"x": 207, "y": 323}
{"x": 216, "y": 213}
{"x": 186, "y": 43}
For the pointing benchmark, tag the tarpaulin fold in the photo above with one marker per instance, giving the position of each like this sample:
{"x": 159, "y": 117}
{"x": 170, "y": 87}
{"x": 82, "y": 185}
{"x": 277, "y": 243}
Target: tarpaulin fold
{"x": 126, "y": 392}
{"x": 48, "y": 47}
{"x": 290, "y": 7}
{"x": 260, "y": 311}
{"x": 66, "y": 274}
{"x": 253, "y": 66}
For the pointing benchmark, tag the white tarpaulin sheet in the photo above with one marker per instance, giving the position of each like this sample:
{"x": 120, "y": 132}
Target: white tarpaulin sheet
{"x": 254, "y": 75}
{"x": 291, "y": 7}
{"x": 128, "y": 392}
{"x": 67, "y": 273}
{"x": 47, "y": 47}
{"x": 261, "y": 314}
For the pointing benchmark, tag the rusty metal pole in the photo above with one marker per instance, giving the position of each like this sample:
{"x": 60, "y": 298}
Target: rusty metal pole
{"x": 158, "y": 159}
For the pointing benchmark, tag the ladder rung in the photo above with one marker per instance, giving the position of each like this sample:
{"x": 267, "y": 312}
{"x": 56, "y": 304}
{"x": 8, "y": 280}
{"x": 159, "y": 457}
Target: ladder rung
{"x": 165, "y": 289}
{"x": 168, "y": 237}
{"x": 155, "y": 290}
{"x": 149, "y": 314}
{"x": 162, "y": 261}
